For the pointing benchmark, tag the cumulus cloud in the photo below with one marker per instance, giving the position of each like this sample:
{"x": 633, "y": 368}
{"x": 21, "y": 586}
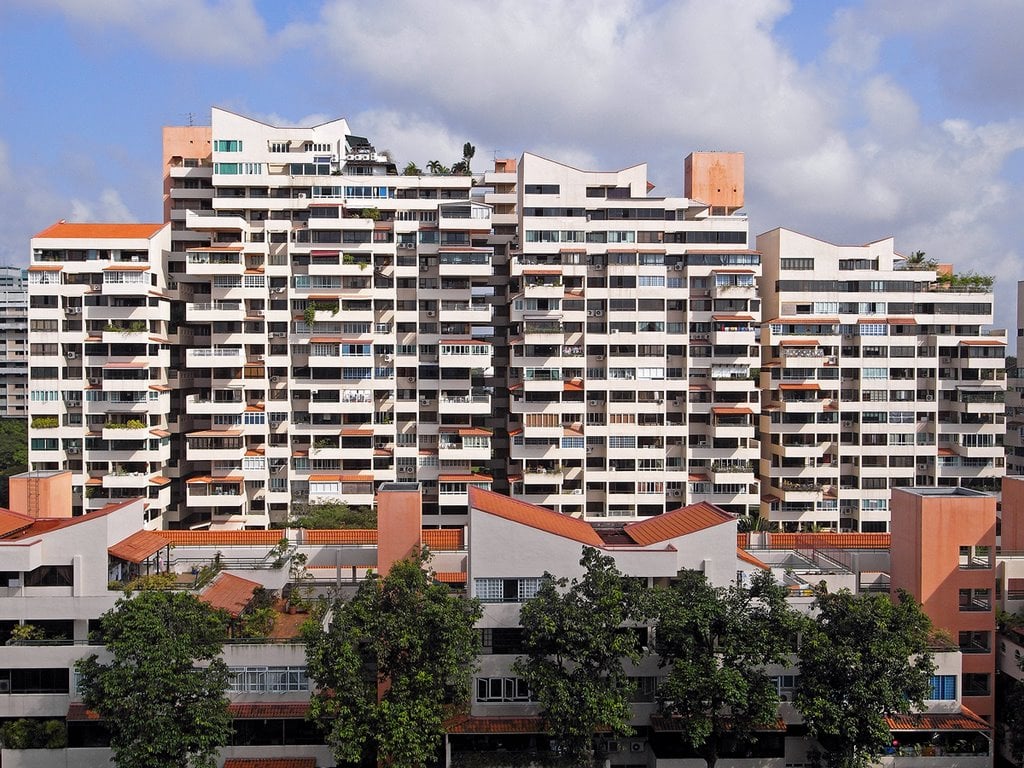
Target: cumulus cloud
{"x": 108, "y": 208}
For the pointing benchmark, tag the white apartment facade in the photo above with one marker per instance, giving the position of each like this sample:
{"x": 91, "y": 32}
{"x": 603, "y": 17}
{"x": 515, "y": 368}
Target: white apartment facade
{"x": 874, "y": 376}
{"x": 632, "y": 342}
{"x": 1015, "y": 401}
{"x": 99, "y": 376}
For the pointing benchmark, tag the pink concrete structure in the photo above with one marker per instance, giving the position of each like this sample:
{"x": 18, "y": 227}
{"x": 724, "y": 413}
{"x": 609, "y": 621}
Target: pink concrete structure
{"x": 41, "y": 493}
{"x": 180, "y": 142}
{"x": 943, "y": 553}
{"x": 715, "y": 178}
{"x": 399, "y": 523}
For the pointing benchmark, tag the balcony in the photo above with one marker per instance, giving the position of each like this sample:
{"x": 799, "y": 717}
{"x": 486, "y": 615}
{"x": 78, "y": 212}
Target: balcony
{"x": 215, "y": 357}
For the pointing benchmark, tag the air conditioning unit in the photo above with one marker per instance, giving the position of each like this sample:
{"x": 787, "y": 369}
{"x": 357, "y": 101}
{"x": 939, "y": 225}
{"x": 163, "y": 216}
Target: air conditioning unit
{"x": 424, "y": 268}
{"x": 676, "y": 493}
{"x": 598, "y": 312}
{"x": 301, "y": 195}
{"x": 405, "y": 470}
{"x": 411, "y": 379}
{"x": 94, "y": 381}
{"x": 278, "y": 334}
{"x": 636, "y": 746}
{"x": 424, "y": 401}
{"x": 593, "y": 402}
{"x": 5, "y": 685}
{"x": 407, "y": 245}
{"x": 388, "y": 358}
{"x": 679, "y": 267}
{"x": 590, "y": 313}
{"x": 613, "y": 746}
{"x": 257, "y": 357}
{"x": 72, "y": 449}
{"x": 279, "y": 290}
{"x": 431, "y": 313}
{"x": 598, "y": 267}
{"x": 71, "y": 355}
{"x": 74, "y": 310}
{"x": 275, "y": 379}
{"x": 600, "y": 357}
{"x": 257, "y": 312}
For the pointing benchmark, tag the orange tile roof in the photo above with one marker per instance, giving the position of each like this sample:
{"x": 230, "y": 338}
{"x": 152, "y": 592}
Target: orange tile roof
{"x": 731, "y": 410}
{"x": 748, "y": 558}
{"x": 229, "y": 593}
{"x": 215, "y": 433}
{"x": 465, "y": 478}
{"x": 475, "y": 431}
{"x": 100, "y": 231}
{"x": 798, "y": 343}
{"x": 11, "y": 522}
{"x": 965, "y": 720}
{"x": 983, "y": 342}
{"x": 46, "y": 268}
{"x": 812, "y": 387}
{"x": 343, "y": 536}
{"x": 681, "y": 522}
{"x": 829, "y": 540}
{"x": 280, "y": 710}
{"x": 159, "y": 480}
{"x": 138, "y": 547}
{"x": 450, "y": 577}
{"x": 444, "y": 539}
{"x": 470, "y": 724}
{"x": 126, "y": 268}
{"x": 270, "y": 762}
{"x": 209, "y": 538}
{"x": 533, "y": 516}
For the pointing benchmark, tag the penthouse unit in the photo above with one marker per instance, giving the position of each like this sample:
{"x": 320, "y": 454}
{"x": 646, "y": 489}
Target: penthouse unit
{"x": 99, "y": 378}
{"x": 877, "y": 373}
{"x": 632, "y": 340}
{"x": 13, "y": 342}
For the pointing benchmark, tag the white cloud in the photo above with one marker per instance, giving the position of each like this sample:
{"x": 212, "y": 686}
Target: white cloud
{"x": 108, "y": 208}
{"x": 216, "y": 30}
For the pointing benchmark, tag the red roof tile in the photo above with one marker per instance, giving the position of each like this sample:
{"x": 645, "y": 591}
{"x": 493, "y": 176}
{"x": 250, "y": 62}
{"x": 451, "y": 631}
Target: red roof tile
{"x": 681, "y": 522}
{"x": 450, "y": 577}
{"x": 100, "y": 231}
{"x": 282, "y": 710}
{"x": 829, "y": 540}
{"x": 469, "y": 724}
{"x": 748, "y": 558}
{"x": 229, "y": 593}
{"x": 140, "y": 546}
{"x": 344, "y": 536}
{"x": 11, "y": 522}
{"x": 533, "y": 516}
{"x": 270, "y": 762}
{"x": 444, "y": 539}
{"x": 210, "y": 538}
{"x": 965, "y": 720}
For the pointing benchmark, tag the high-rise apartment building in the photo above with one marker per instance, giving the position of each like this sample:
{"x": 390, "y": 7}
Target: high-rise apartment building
{"x": 13, "y": 342}
{"x": 100, "y": 395}
{"x": 877, "y": 374}
{"x": 633, "y": 339}
{"x": 1015, "y": 401}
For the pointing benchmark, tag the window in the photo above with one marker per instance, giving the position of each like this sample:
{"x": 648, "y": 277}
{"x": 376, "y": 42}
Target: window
{"x": 502, "y": 689}
{"x": 975, "y": 600}
{"x": 975, "y": 684}
{"x": 975, "y": 642}
{"x": 268, "y": 679}
{"x": 978, "y": 556}
{"x": 943, "y": 688}
{"x": 797, "y": 264}
{"x": 227, "y": 145}
{"x": 490, "y": 590}
{"x": 51, "y": 576}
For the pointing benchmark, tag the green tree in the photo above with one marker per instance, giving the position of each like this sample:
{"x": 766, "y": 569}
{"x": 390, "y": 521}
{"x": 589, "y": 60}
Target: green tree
{"x": 162, "y": 693}
{"x": 410, "y": 639}
{"x": 435, "y": 167}
{"x": 717, "y": 642}
{"x": 13, "y": 453}
{"x": 918, "y": 261}
{"x": 468, "y": 153}
{"x": 863, "y": 657}
{"x": 574, "y": 648}
{"x": 411, "y": 169}
{"x": 332, "y": 515}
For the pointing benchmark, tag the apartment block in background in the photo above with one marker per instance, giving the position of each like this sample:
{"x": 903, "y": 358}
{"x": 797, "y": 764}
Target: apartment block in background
{"x": 99, "y": 381}
{"x": 13, "y": 342}
{"x": 875, "y": 376}
{"x": 1015, "y": 401}
{"x": 632, "y": 341}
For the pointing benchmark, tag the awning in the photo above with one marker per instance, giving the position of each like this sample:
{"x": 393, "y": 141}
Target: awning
{"x": 965, "y": 720}
{"x": 731, "y": 411}
{"x": 215, "y": 433}
{"x": 810, "y": 387}
{"x": 798, "y": 343}
{"x": 138, "y": 547}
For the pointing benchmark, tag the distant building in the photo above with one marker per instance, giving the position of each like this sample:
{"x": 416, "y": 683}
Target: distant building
{"x": 14, "y": 347}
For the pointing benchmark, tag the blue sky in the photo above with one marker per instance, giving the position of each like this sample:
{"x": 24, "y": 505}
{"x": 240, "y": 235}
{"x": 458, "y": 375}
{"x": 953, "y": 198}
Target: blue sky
{"x": 859, "y": 120}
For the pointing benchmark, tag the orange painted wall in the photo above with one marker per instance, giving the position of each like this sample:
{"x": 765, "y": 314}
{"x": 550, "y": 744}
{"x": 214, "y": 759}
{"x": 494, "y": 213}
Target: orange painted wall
{"x": 51, "y": 496}
{"x": 1012, "y": 532}
{"x": 927, "y": 533}
{"x": 715, "y": 178}
{"x": 399, "y": 524}
{"x": 182, "y": 141}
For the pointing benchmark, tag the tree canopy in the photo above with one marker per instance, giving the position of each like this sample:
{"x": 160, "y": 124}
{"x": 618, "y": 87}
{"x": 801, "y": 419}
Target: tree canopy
{"x": 574, "y": 647}
{"x": 390, "y": 664}
{"x": 332, "y": 515}
{"x": 718, "y": 642}
{"x": 863, "y": 657}
{"x": 162, "y": 693}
